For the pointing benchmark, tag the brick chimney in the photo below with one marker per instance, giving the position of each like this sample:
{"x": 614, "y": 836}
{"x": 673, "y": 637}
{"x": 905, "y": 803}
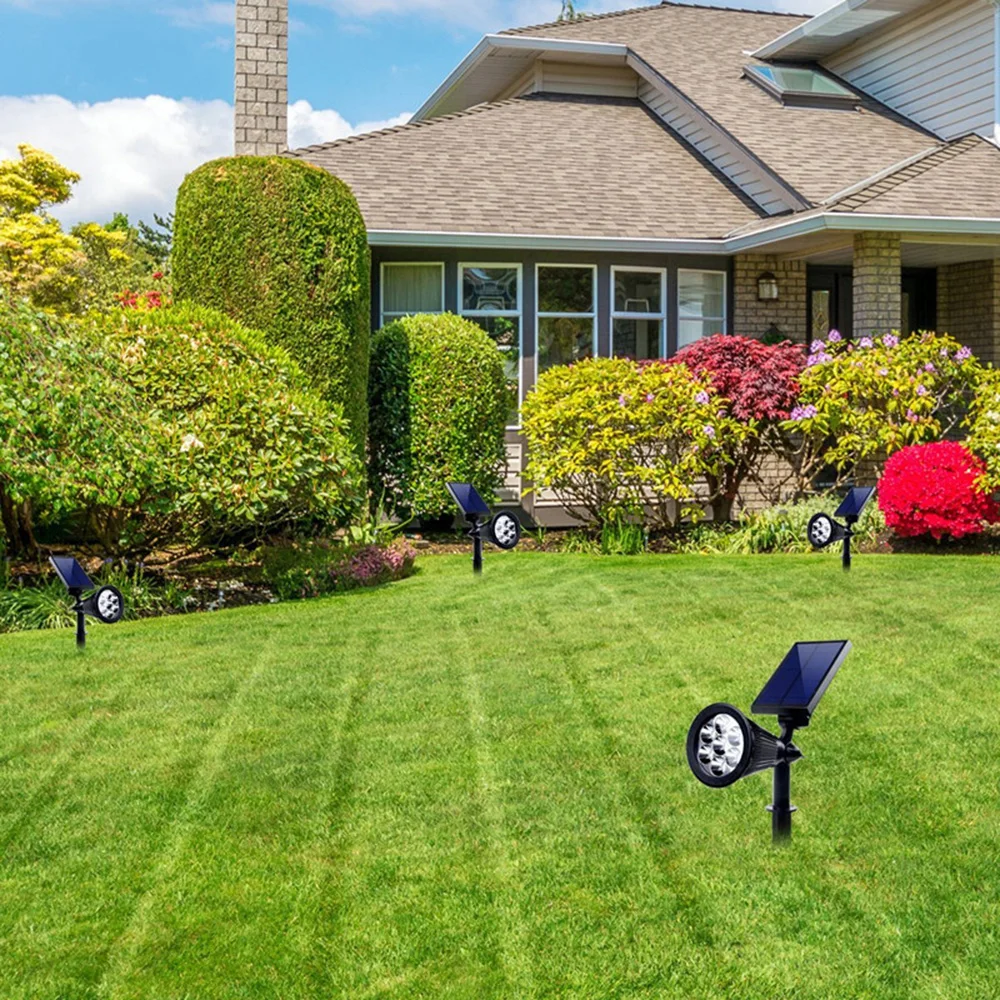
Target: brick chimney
{"x": 261, "y": 77}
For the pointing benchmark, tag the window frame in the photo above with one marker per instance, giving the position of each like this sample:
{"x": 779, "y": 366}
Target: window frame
{"x": 661, "y": 316}
{"x": 845, "y": 98}
{"x": 500, "y": 314}
{"x": 407, "y": 263}
{"x": 539, "y": 315}
{"x": 724, "y": 319}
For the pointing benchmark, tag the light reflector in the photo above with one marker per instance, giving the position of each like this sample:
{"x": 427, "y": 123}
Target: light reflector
{"x": 723, "y": 746}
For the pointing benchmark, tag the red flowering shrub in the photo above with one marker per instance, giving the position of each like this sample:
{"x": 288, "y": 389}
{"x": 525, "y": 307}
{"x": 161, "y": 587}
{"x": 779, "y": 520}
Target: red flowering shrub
{"x": 759, "y": 384}
{"x": 935, "y": 489}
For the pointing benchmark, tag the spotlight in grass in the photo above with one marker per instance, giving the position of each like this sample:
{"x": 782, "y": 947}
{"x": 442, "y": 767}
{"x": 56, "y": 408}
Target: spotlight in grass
{"x": 723, "y": 745}
{"x": 503, "y": 530}
{"x": 106, "y": 604}
{"x": 823, "y": 530}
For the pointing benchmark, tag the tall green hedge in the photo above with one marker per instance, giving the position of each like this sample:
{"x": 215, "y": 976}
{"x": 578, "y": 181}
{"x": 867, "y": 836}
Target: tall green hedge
{"x": 439, "y": 405}
{"x": 281, "y": 246}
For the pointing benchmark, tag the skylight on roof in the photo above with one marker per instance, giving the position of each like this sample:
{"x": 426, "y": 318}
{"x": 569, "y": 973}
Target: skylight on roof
{"x": 801, "y": 85}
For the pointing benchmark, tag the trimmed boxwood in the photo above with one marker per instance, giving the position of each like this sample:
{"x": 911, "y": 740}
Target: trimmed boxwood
{"x": 439, "y": 407}
{"x": 281, "y": 246}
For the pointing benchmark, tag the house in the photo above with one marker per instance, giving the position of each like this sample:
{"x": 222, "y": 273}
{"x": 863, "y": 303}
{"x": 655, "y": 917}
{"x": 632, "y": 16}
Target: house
{"x": 628, "y": 182}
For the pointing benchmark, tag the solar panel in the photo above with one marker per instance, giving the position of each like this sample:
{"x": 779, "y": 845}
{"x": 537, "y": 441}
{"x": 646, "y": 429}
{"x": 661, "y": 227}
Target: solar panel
{"x": 467, "y": 497}
{"x": 855, "y": 501}
{"x": 802, "y": 679}
{"x": 71, "y": 573}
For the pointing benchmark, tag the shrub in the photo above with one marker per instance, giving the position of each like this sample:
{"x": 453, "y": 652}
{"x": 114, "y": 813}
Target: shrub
{"x": 935, "y": 489}
{"x": 249, "y": 447}
{"x": 280, "y": 245}
{"x": 871, "y": 398}
{"x": 984, "y": 427}
{"x": 439, "y": 407}
{"x": 613, "y": 438}
{"x": 758, "y": 384}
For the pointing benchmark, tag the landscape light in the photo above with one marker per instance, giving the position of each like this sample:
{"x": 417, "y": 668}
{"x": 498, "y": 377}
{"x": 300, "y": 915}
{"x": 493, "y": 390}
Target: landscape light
{"x": 723, "y": 745}
{"x": 823, "y": 530}
{"x": 106, "y": 604}
{"x": 503, "y": 529}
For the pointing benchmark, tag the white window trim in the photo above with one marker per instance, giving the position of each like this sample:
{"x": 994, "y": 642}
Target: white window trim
{"x": 539, "y": 315}
{"x": 405, "y": 263}
{"x": 500, "y": 314}
{"x": 661, "y": 315}
{"x": 723, "y": 319}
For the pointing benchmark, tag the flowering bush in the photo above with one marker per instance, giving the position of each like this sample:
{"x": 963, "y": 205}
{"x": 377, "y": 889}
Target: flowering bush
{"x": 984, "y": 427}
{"x": 614, "y": 438}
{"x": 758, "y": 385}
{"x": 871, "y": 398}
{"x": 935, "y": 489}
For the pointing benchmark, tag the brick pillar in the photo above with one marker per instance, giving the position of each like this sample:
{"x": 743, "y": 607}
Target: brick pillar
{"x": 753, "y": 318}
{"x": 969, "y": 306}
{"x": 878, "y": 278}
{"x": 261, "y": 77}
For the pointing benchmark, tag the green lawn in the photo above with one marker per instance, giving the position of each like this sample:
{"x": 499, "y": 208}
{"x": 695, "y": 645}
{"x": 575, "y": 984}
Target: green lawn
{"x": 446, "y": 789}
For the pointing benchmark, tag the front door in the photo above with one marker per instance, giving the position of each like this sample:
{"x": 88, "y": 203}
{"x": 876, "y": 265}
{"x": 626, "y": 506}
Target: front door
{"x": 831, "y": 300}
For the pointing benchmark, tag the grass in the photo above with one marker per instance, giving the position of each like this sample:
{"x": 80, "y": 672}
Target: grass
{"x": 454, "y": 790}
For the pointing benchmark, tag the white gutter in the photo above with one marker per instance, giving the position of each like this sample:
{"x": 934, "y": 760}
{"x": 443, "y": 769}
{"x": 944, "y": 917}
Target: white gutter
{"x": 789, "y": 229}
{"x": 516, "y": 43}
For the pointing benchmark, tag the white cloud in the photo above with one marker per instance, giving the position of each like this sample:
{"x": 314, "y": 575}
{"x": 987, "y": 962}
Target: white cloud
{"x": 133, "y": 153}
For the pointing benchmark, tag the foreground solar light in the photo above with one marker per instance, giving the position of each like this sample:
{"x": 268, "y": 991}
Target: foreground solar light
{"x": 824, "y": 531}
{"x": 723, "y": 745}
{"x": 106, "y": 604}
{"x": 503, "y": 529}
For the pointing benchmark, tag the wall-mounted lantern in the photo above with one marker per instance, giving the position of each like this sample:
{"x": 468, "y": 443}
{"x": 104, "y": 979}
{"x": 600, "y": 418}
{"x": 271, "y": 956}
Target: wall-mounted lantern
{"x": 767, "y": 288}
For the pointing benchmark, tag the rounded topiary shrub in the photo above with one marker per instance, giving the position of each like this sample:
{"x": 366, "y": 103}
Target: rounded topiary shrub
{"x": 439, "y": 406}
{"x": 937, "y": 490}
{"x": 281, "y": 246}
{"x": 249, "y": 445}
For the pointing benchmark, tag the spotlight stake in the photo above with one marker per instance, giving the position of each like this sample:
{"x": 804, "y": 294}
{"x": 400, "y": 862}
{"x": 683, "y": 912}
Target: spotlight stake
{"x": 824, "y": 531}
{"x": 503, "y": 529}
{"x": 106, "y": 604}
{"x": 723, "y": 745}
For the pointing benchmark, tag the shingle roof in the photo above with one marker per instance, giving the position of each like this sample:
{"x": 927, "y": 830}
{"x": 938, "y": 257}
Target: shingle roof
{"x": 702, "y": 51}
{"x": 537, "y": 165}
{"x": 959, "y": 179}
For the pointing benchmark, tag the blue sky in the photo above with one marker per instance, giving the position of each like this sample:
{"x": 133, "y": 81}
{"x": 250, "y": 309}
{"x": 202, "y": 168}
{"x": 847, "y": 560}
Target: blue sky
{"x": 113, "y": 86}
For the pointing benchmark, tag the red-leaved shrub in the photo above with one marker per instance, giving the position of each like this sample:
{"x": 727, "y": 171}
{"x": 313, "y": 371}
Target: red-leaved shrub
{"x": 934, "y": 489}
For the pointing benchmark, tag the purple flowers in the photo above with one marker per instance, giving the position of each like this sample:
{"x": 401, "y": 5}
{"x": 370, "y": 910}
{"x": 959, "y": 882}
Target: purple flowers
{"x": 709, "y": 431}
{"x": 929, "y": 367}
{"x": 816, "y": 346}
{"x": 702, "y": 398}
{"x": 883, "y": 372}
{"x": 911, "y": 416}
{"x": 866, "y": 342}
{"x": 622, "y": 401}
{"x": 921, "y": 390}
{"x": 803, "y": 412}
{"x": 818, "y": 359}
{"x": 650, "y": 398}
{"x": 963, "y": 354}
{"x": 834, "y": 337}
{"x": 890, "y": 340}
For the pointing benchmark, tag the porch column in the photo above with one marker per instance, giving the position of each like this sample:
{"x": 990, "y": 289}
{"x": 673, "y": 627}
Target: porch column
{"x": 878, "y": 277}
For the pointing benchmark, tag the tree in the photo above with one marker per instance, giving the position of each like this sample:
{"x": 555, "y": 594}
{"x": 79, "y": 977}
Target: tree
{"x": 158, "y": 240}
{"x": 569, "y": 12}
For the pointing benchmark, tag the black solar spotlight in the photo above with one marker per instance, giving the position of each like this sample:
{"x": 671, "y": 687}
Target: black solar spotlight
{"x": 723, "y": 745}
{"x": 823, "y": 530}
{"x": 503, "y": 529}
{"x": 106, "y": 604}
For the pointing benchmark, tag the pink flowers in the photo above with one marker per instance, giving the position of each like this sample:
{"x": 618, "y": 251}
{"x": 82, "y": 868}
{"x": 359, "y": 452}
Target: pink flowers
{"x": 650, "y": 398}
{"x": 819, "y": 359}
{"x": 804, "y": 412}
{"x": 622, "y": 401}
{"x": 708, "y": 431}
{"x": 963, "y": 354}
{"x": 890, "y": 340}
{"x": 866, "y": 342}
{"x": 921, "y": 390}
{"x": 817, "y": 346}
{"x": 834, "y": 337}
{"x": 702, "y": 398}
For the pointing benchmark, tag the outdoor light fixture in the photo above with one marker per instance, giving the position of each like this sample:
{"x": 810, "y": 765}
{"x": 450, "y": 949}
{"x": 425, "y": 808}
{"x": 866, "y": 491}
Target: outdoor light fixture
{"x": 723, "y": 745}
{"x": 503, "y": 529}
{"x": 823, "y": 530}
{"x": 106, "y": 604}
{"x": 767, "y": 287}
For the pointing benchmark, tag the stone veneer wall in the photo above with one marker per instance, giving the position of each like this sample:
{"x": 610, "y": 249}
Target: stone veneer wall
{"x": 969, "y": 305}
{"x": 261, "y": 77}
{"x": 878, "y": 297}
{"x": 789, "y": 314}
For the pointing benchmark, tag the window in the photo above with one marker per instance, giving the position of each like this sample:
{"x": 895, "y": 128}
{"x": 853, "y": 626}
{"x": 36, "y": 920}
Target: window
{"x": 639, "y": 313}
{"x": 701, "y": 305}
{"x": 567, "y": 314}
{"x": 411, "y": 288}
{"x": 491, "y": 297}
{"x": 801, "y": 85}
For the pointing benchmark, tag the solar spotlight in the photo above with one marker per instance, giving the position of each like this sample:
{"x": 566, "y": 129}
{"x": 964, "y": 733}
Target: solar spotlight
{"x": 106, "y": 604}
{"x": 723, "y": 745}
{"x": 823, "y": 530}
{"x": 503, "y": 529}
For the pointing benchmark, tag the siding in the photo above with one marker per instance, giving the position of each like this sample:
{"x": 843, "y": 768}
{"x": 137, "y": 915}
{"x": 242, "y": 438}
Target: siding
{"x": 712, "y": 145}
{"x": 936, "y": 67}
{"x": 555, "y": 77}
